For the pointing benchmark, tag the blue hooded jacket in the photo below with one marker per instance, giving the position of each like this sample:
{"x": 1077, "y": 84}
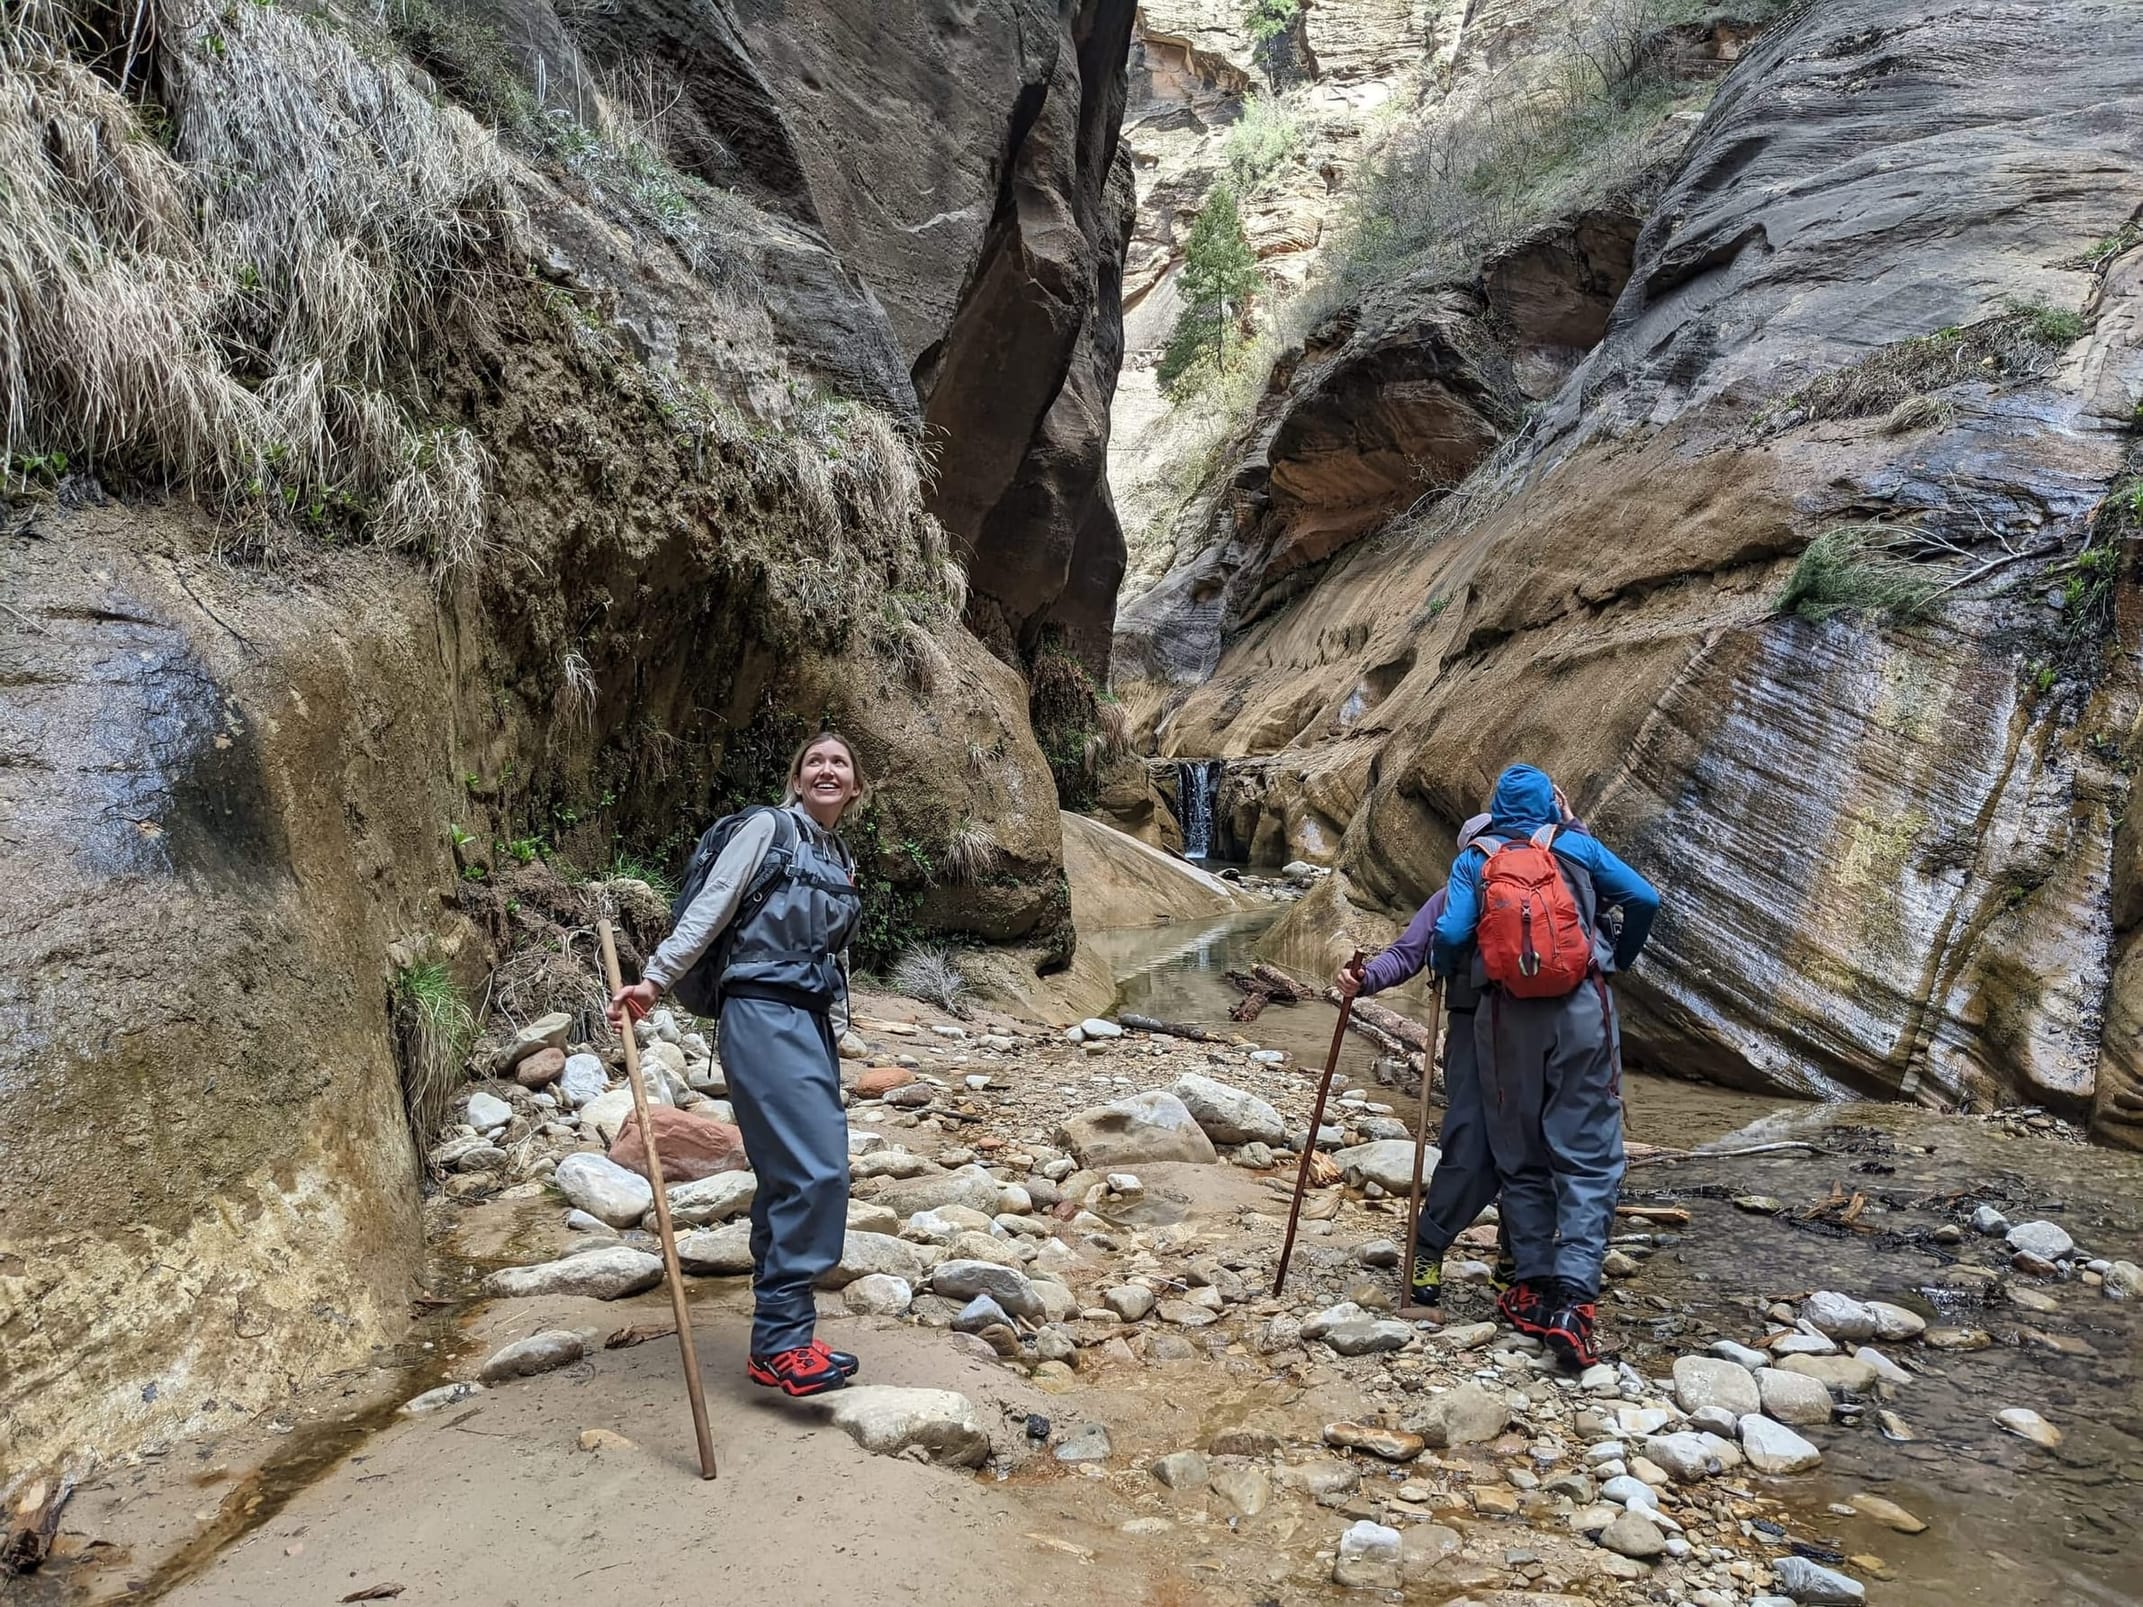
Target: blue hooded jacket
{"x": 1525, "y": 802}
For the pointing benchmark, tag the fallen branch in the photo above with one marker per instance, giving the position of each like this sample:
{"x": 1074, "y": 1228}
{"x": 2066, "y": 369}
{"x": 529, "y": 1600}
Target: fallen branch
{"x": 1387, "y": 1029}
{"x": 1174, "y": 1029}
{"x": 1252, "y": 1005}
{"x": 1278, "y": 983}
{"x": 1727, "y": 1154}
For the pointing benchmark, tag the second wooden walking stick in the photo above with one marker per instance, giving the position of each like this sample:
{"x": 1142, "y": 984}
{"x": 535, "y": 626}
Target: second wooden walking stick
{"x": 1309, "y": 1144}
{"x": 1421, "y": 1143}
{"x": 663, "y": 1229}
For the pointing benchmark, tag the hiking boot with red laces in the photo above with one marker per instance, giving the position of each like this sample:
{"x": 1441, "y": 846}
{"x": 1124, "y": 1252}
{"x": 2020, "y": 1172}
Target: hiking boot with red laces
{"x": 1567, "y": 1328}
{"x": 1522, "y": 1307}
{"x": 805, "y": 1370}
{"x": 849, "y": 1364}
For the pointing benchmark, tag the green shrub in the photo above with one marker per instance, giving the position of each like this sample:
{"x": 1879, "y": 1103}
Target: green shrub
{"x": 1848, "y": 570}
{"x": 1261, "y": 140}
{"x": 1266, "y": 20}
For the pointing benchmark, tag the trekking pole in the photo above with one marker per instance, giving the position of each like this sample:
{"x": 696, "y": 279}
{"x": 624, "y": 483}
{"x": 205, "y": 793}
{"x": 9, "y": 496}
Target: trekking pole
{"x": 663, "y": 1229}
{"x": 1309, "y": 1146}
{"x": 1421, "y": 1140}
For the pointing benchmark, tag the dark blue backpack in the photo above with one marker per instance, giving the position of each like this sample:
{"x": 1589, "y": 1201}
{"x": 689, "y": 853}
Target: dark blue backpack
{"x": 699, "y": 990}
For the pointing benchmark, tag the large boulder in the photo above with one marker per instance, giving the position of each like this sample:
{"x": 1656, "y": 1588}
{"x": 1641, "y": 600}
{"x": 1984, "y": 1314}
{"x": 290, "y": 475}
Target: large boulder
{"x": 1227, "y": 1114}
{"x": 611, "y": 1273}
{"x": 1388, "y": 1163}
{"x": 604, "y": 1189}
{"x": 689, "y": 1146}
{"x": 888, "y": 1421}
{"x": 1152, "y": 1126}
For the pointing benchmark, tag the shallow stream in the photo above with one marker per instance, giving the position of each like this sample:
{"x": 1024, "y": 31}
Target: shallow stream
{"x": 2010, "y": 1525}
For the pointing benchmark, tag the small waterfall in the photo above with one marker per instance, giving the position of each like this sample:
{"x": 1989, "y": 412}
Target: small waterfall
{"x": 1197, "y": 792}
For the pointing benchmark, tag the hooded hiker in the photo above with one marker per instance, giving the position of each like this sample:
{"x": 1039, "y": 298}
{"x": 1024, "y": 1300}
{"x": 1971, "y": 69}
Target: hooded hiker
{"x": 1464, "y": 1182}
{"x": 1523, "y": 914}
{"x": 762, "y": 926}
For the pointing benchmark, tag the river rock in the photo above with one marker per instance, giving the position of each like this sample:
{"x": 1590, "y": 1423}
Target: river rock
{"x": 1633, "y": 1534}
{"x": 878, "y": 1294}
{"x": 890, "y": 1161}
{"x": 707, "y": 1201}
{"x": 1795, "y": 1398}
{"x": 1228, "y": 1114}
{"x": 1141, "y": 1128}
{"x": 875, "y": 1082}
{"x": 1388, "y": 1444}
{"x": 604, "y": 1189}
{"x": 539, "y": 1353}
{"x": 1885, "y": 1369}
{"x": 1739, "y": 1355}
{"x": 980, "y": 1314}
{"x": 1838, "y": 1316}
{"x": 1986, "y": 1219}
{"x": 1182, "y": 1471}
{"x": 963, "y": 1280}
{"x": 1367, "y": 1337}
{"x": 1896, "y": 1322}
{"x": 1774, "y": 1448}
{"x": 605, "y": 1272}
{"x": 607, "y": 1113}
{"x": 1368, "y": 1557}
{"x": 541, "y": 1069}
{"x": 2123, "y": 1280}
{"x": 1242, "y": 1492}
{"x": 2025, "y": 1423}
{"x": 887, "y": 1420}
{"x": 1322, "y": 1478}
{"x": 582, "y": 1081}
{"x": 445, "y": 1395}
{"x": 1089, "y": 1442}
{"x": 1320, "y": 1323}
{"x": 1701, "y": 1381}
{"x": 969, "y": 1186}
{"x": 487, "y": 1112}
{"x": 2042, "y": 1239}
{"x": 1467, "y": 1415}
{"x": 1093, "y": 1028}
{"x": 1378, "y": 1253}
{"x": 1842, "y": 1375}
{"x": 545, "y": 1032}
{"x": 1626, "y": 1491}
{"x": 1129, "y": 1301}
{"x": 944, "y": 1224}
{"x": 1388, "y": 1163}
{"x": 865, "y": 1254}
{"x": 1685, "y": 1456}
{"x": 1813, "y": 1585}
{"x": 690, "y": 1145}
{"x": 723, "y": 1252}
{"x": 1887, "y": 1513}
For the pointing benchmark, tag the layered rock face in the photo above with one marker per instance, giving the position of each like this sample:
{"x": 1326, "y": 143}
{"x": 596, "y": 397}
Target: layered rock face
{"x": 1893, "y": 851}
{"x": 244, "y": 790}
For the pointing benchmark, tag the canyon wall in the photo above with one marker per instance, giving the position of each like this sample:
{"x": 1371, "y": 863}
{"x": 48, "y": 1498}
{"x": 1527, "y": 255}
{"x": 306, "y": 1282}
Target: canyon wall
{"x": 644, "y": 502}
{"x": 1812, "y": 581}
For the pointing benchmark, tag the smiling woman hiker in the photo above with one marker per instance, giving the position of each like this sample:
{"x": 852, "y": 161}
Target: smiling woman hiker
{"x": 771, "y": 922}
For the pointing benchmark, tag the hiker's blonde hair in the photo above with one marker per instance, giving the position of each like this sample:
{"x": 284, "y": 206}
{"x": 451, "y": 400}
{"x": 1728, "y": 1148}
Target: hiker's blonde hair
{"x": 790, "y": 793}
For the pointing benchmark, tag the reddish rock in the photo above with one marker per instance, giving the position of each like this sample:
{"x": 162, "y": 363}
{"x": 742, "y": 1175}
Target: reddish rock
{"x": 541, "y": 1069}
{"x": 878, "y": 1081}
{"x": 691, "y": 1146}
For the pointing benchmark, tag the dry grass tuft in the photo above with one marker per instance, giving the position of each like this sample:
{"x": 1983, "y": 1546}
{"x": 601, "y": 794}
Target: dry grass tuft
{"x": 970, "y": 854}
{"x": 234, "y": 319}
{"x": 928, "y": 972}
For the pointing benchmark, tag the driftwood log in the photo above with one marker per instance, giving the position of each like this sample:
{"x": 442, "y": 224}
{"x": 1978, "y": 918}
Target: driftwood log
{"x": 1386, "y": 1028}
{"x": 1174, "y": 1029}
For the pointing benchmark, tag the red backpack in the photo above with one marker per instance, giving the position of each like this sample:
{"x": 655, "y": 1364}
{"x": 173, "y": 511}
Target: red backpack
{"x": 1532, "y": 937}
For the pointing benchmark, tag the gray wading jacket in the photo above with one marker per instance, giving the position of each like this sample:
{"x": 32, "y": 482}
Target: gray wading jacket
{"x": 796, "y": 946}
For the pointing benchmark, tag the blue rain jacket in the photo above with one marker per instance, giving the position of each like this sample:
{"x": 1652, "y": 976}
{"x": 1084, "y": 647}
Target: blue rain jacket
{"x": 1525, "y": 802}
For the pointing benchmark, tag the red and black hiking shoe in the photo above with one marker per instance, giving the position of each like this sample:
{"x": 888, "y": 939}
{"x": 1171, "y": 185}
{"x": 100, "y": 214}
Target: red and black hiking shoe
{"x": 850, "y": 1365}
{"x": 1567, "y": 1327}
{"x": 805, "y": 1370}
{"x": 1523, "y": 1308}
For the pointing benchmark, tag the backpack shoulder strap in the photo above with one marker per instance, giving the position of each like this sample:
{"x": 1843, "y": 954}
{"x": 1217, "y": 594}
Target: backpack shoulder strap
{"x": 1486, "y": 844}
{"x": 1545, "y": 836}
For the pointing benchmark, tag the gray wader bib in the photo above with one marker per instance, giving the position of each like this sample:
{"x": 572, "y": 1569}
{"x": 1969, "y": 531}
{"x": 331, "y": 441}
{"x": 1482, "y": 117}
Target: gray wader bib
{"x": 1551, "y": 1096}
{"x": 778, "y": 1051}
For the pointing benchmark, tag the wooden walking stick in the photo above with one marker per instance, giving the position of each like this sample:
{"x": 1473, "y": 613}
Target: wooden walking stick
{"x": 1421, "y": 1141}
{"x": 663, "y": 1229}
{"x": 1309, "y": 1145}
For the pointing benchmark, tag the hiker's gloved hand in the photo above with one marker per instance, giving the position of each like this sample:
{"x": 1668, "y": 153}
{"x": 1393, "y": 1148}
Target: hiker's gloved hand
{"x": 635, "y": 1001}
{"x": 1348, "y": 979}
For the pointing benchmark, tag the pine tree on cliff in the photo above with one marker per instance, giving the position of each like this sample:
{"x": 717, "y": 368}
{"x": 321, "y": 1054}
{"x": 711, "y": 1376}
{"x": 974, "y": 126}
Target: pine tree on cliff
{"x": 1215, "y": 284}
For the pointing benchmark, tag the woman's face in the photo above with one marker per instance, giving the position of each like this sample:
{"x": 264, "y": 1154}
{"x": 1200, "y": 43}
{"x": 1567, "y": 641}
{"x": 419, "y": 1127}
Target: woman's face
{"x": 827, "y": 777}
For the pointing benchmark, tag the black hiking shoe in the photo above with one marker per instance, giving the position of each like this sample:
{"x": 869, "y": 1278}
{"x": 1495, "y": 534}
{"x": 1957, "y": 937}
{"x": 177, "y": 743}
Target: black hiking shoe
{"x": 802, "y": 1371}
{"x": 1567, "y": 1327}
{"x": 850, "y": 1365}
{"x": 1522, "y": 1306}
